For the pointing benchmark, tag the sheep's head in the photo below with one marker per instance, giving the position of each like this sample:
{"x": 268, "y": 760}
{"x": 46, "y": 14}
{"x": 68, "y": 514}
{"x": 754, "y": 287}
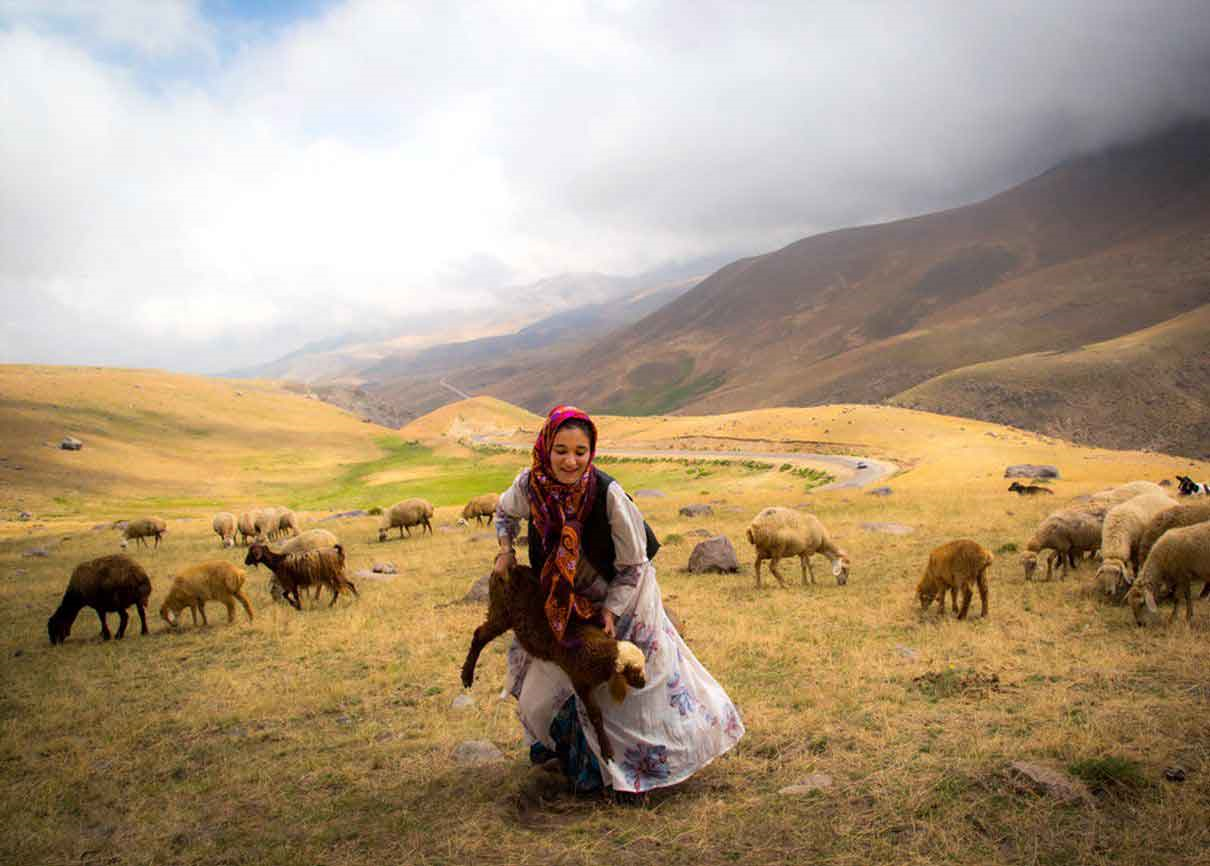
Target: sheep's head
{"x": 123, "y": 544}
{"x": 58, "y": 628}
{"x": 256, "y": 554}
{"x": 228, "y": 542}
{"x": 630, "y": 668}
{"x": 926, "y": 591}
{"x": 382, "y": 535}
{"x": 840, "y": 569}
{"x": 1029, "y": 562}
{"x": 168, "y": 615}
{"x": 1112, "y": 575}
{"x": 1142, "y": 604}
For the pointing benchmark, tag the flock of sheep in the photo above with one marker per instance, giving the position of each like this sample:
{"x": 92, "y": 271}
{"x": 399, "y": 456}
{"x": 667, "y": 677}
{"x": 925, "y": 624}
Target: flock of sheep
{"x": 1150, "y": 546}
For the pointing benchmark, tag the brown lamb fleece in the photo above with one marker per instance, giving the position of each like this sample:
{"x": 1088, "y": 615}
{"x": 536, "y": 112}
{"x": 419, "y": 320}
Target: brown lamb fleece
{"x": 107, "y": 584}
{"x": 323, "y": 566}
{"x": 518, "y": 603}
{"x": 955, "y": 566}
{"x": 1170, "y": 518}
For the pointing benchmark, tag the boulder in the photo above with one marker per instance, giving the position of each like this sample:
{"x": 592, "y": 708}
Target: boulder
{"x": 880, "y": 491}
{"x": 647, "y": 493}
{"x": 385, "y": 568}
{"x": 714, "y": 554}
{"x": 1031, "y": 470}
{"x": 479, "y": 590}
{"x": 477, "y": 753}
{"x": 344, "y": 515}
{"x": 1025, "y": 776}
{"x": 71, "y": 443}
{"x": 698, "y": 510}
{"x": 813, "y": 782}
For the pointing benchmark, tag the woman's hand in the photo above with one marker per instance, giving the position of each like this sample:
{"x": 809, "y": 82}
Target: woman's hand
{"x": 505, "y": 560}
{"x": 611, "y": 627}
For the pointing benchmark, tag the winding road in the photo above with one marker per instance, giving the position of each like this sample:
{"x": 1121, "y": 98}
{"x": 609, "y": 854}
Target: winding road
{"x": 865, "y": 470}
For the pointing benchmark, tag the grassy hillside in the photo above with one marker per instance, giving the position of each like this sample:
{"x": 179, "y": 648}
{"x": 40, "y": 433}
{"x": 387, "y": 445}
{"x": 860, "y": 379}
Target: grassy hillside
{"x": 328, "y": 735}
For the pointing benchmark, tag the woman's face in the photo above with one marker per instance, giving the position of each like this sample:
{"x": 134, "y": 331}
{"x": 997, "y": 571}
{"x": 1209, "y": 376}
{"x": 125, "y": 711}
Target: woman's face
{"x": 569, "y": 454}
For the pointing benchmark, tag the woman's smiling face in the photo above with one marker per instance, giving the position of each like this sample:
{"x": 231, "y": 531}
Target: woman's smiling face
{"x": 569, "y": 454}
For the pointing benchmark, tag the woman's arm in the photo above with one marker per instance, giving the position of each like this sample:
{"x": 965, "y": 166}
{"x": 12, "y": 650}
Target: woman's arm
{"x": 512, "y": 508}
{"x": 630, "y": 552}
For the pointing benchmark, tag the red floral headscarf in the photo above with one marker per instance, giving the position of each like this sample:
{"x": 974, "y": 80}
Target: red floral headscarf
{"x": 557, "y": 512}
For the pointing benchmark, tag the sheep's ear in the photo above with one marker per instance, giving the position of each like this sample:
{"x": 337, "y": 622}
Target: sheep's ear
{"x": 1149, "y": 598}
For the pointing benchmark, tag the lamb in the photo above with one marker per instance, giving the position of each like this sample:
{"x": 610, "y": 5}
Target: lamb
{"x": 142, "y": 529}
{"x": 224, "y": 528}
{"x": 481, "y": 508}
{"x": 107, "y": 584}
{"x": 1029, "y": 489}
{"x": 409, "y": 512}
{"x": 587, "y": 655}
{"x": 246, "y": 527}
{"x": 1179, "y": 557}
{"x": 778, "y": 532}
{"x": 1170, "y": 518}
{"x": 325, "y": 565}
{"x": 1067, "y": 534}
{"x": 1120, "y": 537}
{"x": 214, "y": 580}
{"x": 955, "y": 566}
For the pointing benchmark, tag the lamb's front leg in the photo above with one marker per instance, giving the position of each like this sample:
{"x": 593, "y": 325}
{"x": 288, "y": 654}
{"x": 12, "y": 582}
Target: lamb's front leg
{"x": 598, "y": 722}
{"x": 483, "y": 635}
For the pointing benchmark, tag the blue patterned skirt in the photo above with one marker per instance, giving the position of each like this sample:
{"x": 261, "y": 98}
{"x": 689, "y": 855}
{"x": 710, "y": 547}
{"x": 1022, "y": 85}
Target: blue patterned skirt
{"x": 576, "y": 759}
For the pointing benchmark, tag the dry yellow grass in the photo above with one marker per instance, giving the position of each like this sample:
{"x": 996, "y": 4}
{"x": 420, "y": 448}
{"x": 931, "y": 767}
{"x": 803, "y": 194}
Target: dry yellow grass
{"x": 327, "y": 735}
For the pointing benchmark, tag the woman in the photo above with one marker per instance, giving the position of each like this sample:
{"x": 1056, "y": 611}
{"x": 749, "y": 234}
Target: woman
{"x": 600, "y": 571}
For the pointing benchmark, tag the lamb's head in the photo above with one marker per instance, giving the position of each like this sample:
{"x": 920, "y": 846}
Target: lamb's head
{"x": 630, "y": 669}
{"x": 840, "y": 568}
{"x": 926, "y": 591}
{"x": 1142, "y": 603}
{"x": 1029, "y": 562}
{"x": 1113, "y": 575}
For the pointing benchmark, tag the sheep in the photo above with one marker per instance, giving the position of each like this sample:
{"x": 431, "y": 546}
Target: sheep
{"x": 1179, "y": 557}
{"x": 265, "y": 522}
{"x": 325, "y": 565}
{"x": 106, "y": 584}
{"x": 1172, "y": 517}
{"x": 1120, "y": 537}
{"x": 1067, "y": 533}
{"x": 587, "y": 655}
{"x": 409, "y": 512}
{"x": 481, "y": 508}
{"x": 142, "y": 529}
{"x": 287, "y": 523}
{"x": 955, "y": 566}
{"x": 1029, "y": 489}
{"x": 246, "y": 527}
{"x": 224, "y": 528}
{"x": 214, "y": 580}
{"x": 778, "y": 532}
{"x": 1100, "y": 502}
{"x": 312, "y": 539}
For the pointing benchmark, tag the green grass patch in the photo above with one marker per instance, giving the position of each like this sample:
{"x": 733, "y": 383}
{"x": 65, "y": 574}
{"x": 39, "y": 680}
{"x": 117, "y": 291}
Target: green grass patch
{"x": 1109, "y": 774}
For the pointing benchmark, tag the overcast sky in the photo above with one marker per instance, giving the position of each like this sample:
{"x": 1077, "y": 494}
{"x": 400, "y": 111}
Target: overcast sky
{"x": 200, "y": 185}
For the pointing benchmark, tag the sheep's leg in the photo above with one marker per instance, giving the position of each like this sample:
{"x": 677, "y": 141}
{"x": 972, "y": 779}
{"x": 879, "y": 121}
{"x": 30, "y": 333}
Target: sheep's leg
{"x": 1205, "y": 590}
{"x": 123, "y": 618}
{"x": 193, "y": 613}
{"x": 201, "y": 608}
{"x": 292, "y": 597}
{"x": 776, "y": 573}
{"x": 484, "y": 634}
{"x": 346, "y": 582}
{"x": 759, "y": 561}
{"x": 105, "y": 635}
{"x": 982, "y": 583}
{"x": 335, "y": 587}
{"x": 805, "y": 560}
{"x": 243, "y": 599}
{"x": 598, "y": 723}
{"x": 967, "y": 593}
{"x": 941, "y": 601}
{"x": 142, "y": 618}
{"x": 428, "y": 526}
{"x": 230, "y": 603}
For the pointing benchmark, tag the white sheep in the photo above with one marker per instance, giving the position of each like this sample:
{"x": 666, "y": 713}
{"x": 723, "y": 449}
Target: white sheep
{"x": 1179, "y": 557}
{"x": 1120, "y": 536}
{"x": 1068, "y": 533}
{"x": 265, "y": 522}
{"x": 246, "y": 527}
{"x": 405, "y": 514}
{"x": 224, "y": 527}
{"x": 778, "y": 532}
{"x": 1100, "y": 502}
{"x": 287, "y": 522}
{"x": 215, "y": 580}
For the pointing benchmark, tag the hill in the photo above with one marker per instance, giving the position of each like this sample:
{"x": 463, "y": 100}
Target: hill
{"x": 1102, "y": 246}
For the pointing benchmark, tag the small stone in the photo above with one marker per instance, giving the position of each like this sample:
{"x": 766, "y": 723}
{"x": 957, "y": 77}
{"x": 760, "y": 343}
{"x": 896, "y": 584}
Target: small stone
{"x": 700, "y": 533}
{"x": 25, "y": 515}
{"x": 463, "y": 702}
{"x": 37, "y": 551}
{"x": 907, "y": 652}
{"x": 461, "y": 522}
{"x": 888, "y": 528}
{"x": 479, "y": 590}
{"x": 1043, "y": 780}
{"x": 71, "y": 443}
{"x": 714, "y": 554}
{"x": 344, "y": 515}
{"x": 813, "y": 782}
{"x": 1172, "y": 774}
{"x": 880, "y": 491}
{"x": 697, "y": 510}
{"x": 477, "y": 753}
{"x": 648, "y": 493}
{"x": 385, "y": 568}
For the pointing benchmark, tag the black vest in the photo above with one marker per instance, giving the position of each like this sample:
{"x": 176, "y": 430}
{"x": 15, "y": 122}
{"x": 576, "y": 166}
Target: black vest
{"x": 596, "y": 540}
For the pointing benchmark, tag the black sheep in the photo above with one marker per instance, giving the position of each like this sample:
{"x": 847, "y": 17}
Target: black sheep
{"x": 1028, "y": 489}
{"x": 107, "y": 584}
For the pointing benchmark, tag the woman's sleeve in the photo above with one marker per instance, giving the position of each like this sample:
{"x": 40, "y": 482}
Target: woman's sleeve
{"x": 629, "y": 545}
{"x": 513, "y": 507}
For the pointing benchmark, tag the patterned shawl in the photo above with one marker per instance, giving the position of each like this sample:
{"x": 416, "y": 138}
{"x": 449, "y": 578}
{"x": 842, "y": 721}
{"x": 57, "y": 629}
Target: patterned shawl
{"x": 557, "y": 511}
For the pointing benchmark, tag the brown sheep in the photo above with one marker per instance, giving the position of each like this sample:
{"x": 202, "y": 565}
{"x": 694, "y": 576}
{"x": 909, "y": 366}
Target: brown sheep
{"x": 107, "y": 584}
{"x": 405, "y": 514}
{"x": 325, "y": 565}
{"x": 1068, "y": 534}
{"x": 481, "y": 508}
{"x": 1029, "y": 489}
{"x": 955, "y": 566}
{"x": 587, "y": 655}
{"x": 142, "y": 529}
{"x": 214, "y": 580}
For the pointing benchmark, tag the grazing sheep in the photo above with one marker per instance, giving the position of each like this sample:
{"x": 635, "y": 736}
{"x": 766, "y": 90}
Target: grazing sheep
{"x": 481, "y": 508}
{"x": 224, "y": 528}
{"x": 287, "y": 523}
{"x": 1120, "y": 537}
{"x": 408, "y": 513}
{"x": 955, "y": 566}
{"x": 587, "y": 655}
{"x": 325, "y": 566}
{"x": 1068, "y": 534}
{"x": 1189, "y": 487}
{"x": 1100, "y": 502}
{"x": 1173, "y": 517}
{"x": 265, "y": 522}
{"x": 1179, "y": 557}
{"x": 214, "y": 580}
{"x": 246, "y": 527}
{"x": 107, "y": 584}
{"x": 778, "y": 532}
{"x": 1029, "y": 489}
{"x": 312, "y": 539}
{"x": 142, "y": 529}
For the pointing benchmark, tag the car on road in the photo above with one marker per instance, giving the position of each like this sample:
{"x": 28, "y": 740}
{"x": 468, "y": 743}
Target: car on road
{"x": 861, "y": 464}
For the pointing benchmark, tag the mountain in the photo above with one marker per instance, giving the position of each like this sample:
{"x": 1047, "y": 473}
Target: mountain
{"x": 1101, "y": 246}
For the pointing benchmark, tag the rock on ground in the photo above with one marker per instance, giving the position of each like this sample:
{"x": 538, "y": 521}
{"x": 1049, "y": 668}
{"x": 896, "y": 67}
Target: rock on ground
{"x": 698, "y": 510}
{"x": 344, "y": 514}
{"x": 714, "y": 554}
{"x": 813, "y": 782}
{"x": 1025, "y": 776}
{"x": 479, "y": 590}
{"x": 880, "y": 491}
{"x": 476, "y": 753}
{"x": 888, "y": 528}
{"x": 36, "y": 551}
{"x": 700, "y": 533}
{"x": 385, "y": 568}
{"x": 463, "y": 702}
{"x": 1031, "y": 470}
{"x": 71, "y": 443}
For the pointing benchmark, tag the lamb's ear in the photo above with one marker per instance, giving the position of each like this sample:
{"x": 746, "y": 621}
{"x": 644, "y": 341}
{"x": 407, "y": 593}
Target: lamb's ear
{"x": 1149, "y": 597}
